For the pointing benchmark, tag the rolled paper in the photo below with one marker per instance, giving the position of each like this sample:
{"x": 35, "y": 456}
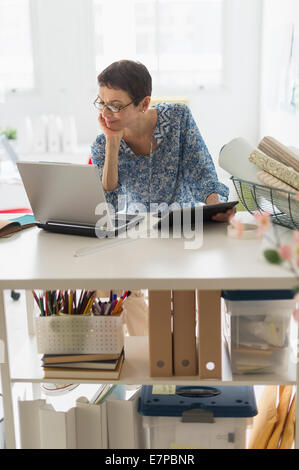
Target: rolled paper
{"x": 233, "y": 158}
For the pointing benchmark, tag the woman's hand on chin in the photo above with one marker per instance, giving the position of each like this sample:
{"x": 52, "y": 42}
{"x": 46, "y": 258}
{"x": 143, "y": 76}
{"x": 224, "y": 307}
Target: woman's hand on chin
{"x": 109, "y": 132}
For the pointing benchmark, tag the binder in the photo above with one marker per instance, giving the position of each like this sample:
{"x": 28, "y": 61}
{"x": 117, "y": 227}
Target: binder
{"x": 209, "y": 334}
{"x": 91, "y": 425}
{"x": 59, "y": 126}
{"x": 25, "y": 136}
{"x": 69, "y": 134}
{"x": 125, "y": 429}
{"x": 30, "y": 423}
{"x": 160, "y": 334}
{"x": 53, "y": 135}
{"x": 40, "y": 134}
{"x": 184, "y": 334}
{"x": 57, "y": 428}
{"x": 82, "y": 427}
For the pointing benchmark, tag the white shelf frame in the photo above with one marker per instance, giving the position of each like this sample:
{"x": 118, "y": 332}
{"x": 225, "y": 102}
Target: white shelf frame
{"x": 25, "y": 367}
{"x": 166, "y": 264}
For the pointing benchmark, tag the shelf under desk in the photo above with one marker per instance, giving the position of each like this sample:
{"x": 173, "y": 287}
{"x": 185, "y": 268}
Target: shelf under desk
{"x": 26, "y": 367}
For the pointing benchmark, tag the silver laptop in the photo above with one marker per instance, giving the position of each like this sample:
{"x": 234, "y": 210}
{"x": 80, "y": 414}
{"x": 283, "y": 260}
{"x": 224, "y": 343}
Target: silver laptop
{"x": 64, "y": 197}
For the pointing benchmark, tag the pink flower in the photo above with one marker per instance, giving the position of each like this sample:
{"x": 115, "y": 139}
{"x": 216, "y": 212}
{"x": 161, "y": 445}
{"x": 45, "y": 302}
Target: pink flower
{"x": 285, "y": 252}
{"x": 263, "y": 221}
{"x": 296, "y": 246}
{"x": 296, "y": 315}
{"x": 238, "y": 226}
{"x": 295, "y": 312}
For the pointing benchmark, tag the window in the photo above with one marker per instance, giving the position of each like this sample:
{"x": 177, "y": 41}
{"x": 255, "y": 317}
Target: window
{"x": 16, "y": 60}
{"x": 181, "y": 42}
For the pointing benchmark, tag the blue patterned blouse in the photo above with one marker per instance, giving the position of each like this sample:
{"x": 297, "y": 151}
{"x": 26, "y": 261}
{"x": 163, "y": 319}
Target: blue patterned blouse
{"x": 179, "y": 170}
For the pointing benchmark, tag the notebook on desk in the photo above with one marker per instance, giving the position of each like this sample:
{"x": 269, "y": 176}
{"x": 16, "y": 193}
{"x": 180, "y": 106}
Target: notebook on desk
{"x": 64, "y": 197}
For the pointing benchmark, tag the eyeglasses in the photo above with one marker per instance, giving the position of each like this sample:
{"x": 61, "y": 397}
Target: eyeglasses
{"x": 114, "y": 109}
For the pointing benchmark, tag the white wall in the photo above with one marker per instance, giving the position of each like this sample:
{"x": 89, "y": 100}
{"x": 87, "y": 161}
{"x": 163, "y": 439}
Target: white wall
{"x": 67, "y": 83}
{"x": 234, "y": 111}
{"x": 277, "y": 120}
{"x": 64, "y": 61}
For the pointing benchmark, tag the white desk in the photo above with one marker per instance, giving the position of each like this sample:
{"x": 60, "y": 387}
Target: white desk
{"x": 40, "y": 260}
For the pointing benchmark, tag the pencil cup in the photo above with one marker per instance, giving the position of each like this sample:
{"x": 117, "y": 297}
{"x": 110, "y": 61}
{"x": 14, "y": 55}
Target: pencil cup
{"x": 84, "y": 334}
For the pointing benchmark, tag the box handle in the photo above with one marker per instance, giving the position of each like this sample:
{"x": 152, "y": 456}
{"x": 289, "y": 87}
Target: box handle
{"x": 198, "y": 392}
{"x": 197, "y": 415}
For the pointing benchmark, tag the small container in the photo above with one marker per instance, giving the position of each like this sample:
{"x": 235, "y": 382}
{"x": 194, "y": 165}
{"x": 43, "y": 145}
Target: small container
{"x": 80, "y": 334}
{"x": 197, "y": 417}
{"x": 256, "y": 327}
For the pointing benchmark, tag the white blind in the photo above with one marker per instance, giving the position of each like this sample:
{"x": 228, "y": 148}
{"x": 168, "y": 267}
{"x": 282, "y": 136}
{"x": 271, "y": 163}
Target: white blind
{"x": 16, "y": 60}
{"x": 181, "y": 42}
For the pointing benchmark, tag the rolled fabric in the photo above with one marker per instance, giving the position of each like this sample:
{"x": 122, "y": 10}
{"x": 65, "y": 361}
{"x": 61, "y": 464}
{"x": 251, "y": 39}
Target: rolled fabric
{"x": 275, "y": 149}
{"x": 288, "y": 434}
{"x": 264, "y": 422}
{"x": 275, "y": 168}
{"x": 273, "y": 182}
{"x": 282, "y": 412}
{"x": 233, "y": 158}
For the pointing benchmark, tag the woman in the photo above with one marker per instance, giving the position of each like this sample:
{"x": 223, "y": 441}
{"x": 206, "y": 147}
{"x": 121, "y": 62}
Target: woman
{"x": 149, "y": 155}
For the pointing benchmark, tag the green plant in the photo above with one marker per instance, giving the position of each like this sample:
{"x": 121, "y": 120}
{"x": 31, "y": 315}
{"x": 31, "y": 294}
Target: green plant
{"x": 10, "y": 133}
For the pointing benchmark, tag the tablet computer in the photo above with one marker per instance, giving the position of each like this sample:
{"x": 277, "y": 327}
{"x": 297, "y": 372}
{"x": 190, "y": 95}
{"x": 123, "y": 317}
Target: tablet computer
{"x": 209, "y": 210}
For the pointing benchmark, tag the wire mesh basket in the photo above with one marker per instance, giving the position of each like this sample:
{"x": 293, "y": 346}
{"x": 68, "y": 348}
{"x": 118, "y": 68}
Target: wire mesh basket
{"x": 280, "y": 204}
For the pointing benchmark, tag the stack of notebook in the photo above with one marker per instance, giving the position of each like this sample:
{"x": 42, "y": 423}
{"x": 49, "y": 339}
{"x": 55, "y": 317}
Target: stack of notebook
{"x": 82, "y": 366}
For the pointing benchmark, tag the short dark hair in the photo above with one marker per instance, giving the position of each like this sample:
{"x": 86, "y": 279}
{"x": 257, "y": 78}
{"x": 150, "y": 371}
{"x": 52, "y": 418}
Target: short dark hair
{"x": 127, "y": 75}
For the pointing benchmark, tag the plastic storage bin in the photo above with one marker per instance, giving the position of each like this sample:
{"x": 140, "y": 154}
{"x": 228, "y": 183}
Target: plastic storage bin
{"x": 256, "y": 327}
{"x": 197, "y": 417}
{"x": 80, "y": 334}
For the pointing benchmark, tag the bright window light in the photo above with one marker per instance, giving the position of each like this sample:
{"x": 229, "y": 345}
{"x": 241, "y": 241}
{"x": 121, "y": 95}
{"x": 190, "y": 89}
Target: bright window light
{"x": 16, "y": 60}
{"x": 180, "y": 42}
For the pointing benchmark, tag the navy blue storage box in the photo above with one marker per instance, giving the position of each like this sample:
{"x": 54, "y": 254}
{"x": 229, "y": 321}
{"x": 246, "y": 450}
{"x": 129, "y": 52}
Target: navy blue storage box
{"x": 197, "y": 417}
{"x": 257, "y": 294}
{"x": 222, "y": 402}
